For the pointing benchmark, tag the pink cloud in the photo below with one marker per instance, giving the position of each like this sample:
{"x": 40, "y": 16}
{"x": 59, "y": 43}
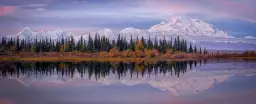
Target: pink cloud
{"x": 6, "y": 10}
{"x": 236, "y": 9}
{"x": 169, "y": 6}
{"x": 217, "y": 8}
{"x": 5, "y": 101}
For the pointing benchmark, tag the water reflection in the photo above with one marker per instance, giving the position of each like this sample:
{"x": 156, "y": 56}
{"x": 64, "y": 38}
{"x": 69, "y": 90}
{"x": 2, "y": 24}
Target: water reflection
{"x": 96, "y": 69}
{"x": 179, "y": 78}
{"x": 120, "y": 82}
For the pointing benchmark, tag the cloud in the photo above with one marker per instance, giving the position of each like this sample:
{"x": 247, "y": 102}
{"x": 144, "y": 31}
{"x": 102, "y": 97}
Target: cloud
{"x": 242, "y": 9}
{"x": 6, "y": 101}
{"x": 41, "y": 9}
{"x": 37, "y": 5}
{"x": 249, "y": 37}
{"x": 6, "y": 10}
{"x": 216, "y": 8}
{"x": 119, "y": 14}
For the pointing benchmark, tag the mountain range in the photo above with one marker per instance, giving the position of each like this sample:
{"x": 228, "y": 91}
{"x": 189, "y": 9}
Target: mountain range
{"x": 196, "y": 31}
{"x": 174, "y": 26}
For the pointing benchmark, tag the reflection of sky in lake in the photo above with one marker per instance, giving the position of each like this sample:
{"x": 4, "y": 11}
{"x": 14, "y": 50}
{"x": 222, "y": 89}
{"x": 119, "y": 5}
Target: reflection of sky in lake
{"x": 215, "y": 83}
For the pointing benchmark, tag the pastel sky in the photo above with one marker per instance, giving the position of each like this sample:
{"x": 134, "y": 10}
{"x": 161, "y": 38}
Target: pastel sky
{"x": 236, "y": 17}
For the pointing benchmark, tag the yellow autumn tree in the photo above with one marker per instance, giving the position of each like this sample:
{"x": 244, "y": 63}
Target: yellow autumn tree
{"x": 62, "y": 49}
{"x": 139, "y": 49}
{"x": 125, "y": 53}
{"x": 148, "y": 53}
{"x": 102, "y": 54}
{"x": 140, "y": 45}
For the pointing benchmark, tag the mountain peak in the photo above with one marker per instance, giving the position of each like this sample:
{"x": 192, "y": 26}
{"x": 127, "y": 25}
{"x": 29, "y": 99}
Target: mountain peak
{"x": 106, "y": 29}
{"x": 106, "y": 32}
{"x": 181, "y": 25}
{"x": 26, "y": 28}
{"x": 131, "y": 31}
{"x": 177, "y": 19}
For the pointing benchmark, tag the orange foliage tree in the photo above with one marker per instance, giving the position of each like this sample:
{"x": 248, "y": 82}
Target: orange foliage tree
{"x": 113, "y": 52}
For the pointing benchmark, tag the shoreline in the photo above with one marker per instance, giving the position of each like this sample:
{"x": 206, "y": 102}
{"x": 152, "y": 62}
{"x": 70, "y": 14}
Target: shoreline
{"x": 102, "y": 59}
{"x": 76, "y": 59}
{"x": 117, "y": 57}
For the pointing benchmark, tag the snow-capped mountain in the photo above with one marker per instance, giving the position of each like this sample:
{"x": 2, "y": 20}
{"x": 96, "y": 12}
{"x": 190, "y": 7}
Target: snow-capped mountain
{"x": 133, "y": 32}
{"x": 172, "y": 27}
{"x": 107, "y": 33}
{"x": 185, "y": 26}
{"x": 28, "y": 33}
{"x": 193, "y": 30}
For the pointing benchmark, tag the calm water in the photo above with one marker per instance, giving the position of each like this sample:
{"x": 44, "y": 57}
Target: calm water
{"x": 192, "y": 82}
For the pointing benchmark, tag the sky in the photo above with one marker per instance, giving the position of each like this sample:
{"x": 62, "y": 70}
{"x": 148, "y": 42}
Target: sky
{"x": 236, "y": 17}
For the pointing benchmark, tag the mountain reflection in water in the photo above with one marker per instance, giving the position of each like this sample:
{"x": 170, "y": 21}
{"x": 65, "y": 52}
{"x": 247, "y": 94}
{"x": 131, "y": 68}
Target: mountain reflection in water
{"x": 140, "y": 82}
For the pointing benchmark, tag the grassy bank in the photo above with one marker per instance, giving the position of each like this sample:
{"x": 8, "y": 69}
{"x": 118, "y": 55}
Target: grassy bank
{"x": 72, "y": 59}
{"x": 75, "y": 59}
{"x": 117, "y": 57}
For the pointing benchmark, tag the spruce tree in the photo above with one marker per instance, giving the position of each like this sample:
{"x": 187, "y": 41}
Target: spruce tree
{"x": 185, "y": 46}
{"x": 18, "y": 44}
{"x": 85, "y": 48}
{"x": 164, "y": 45}
{"x": 195, "y": 49}
{"x": 175, "y": 45}
{"x": 149, "y": 43}
{"x": 178, "y": 44}
{"x": 171, "y": 44}
{"x": 131, "y": 44}
{"x": 155, "y": 43}
{"x": 190, "y": 48}
{"x": 90, "y": 44}
{"x": 143, "y": 41}
{"x": 80, "y": 44}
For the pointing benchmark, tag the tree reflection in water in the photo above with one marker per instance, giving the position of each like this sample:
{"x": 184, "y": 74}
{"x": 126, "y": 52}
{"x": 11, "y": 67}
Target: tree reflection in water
{"x": 96, "y": 69}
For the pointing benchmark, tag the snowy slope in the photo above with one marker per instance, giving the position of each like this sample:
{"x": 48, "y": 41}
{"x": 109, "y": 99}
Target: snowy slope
{"x": 112, "y": 34}
{"x": 28, "y": 33}
{"x": 186, "y": 26}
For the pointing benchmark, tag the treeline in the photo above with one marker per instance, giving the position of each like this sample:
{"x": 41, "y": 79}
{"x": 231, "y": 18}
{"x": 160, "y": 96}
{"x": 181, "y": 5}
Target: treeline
{"x": 97, "y": 44}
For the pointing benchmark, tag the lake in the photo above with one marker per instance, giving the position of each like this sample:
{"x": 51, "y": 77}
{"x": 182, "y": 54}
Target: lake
{"x": 189, "y": 82}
